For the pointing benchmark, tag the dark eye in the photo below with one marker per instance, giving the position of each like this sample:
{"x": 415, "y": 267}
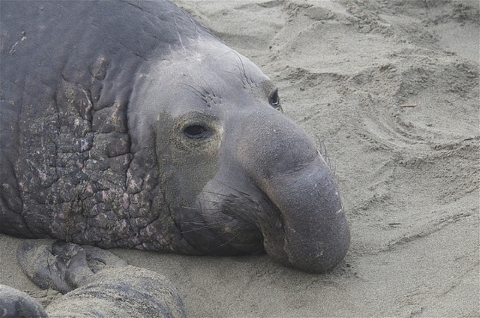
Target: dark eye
{"x": 274, "y": 100}
{"x": 196, "y": 131}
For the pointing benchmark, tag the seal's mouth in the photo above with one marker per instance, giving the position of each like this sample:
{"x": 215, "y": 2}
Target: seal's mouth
{"x": 213, "y": 227}
{"x": 246, "y": 221}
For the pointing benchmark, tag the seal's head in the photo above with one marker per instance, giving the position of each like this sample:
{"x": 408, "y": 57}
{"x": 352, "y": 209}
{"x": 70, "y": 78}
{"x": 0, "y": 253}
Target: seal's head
{"x": 238, "y": 176}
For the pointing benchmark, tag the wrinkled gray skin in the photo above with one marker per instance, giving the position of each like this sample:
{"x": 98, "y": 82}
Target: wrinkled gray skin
{"x": 127, "y": 124}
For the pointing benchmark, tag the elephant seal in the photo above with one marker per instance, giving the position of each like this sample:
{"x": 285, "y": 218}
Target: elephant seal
{"x": 128, "y": 124}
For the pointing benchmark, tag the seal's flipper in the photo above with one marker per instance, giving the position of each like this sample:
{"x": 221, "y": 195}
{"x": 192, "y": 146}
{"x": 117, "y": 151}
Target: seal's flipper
{"x": 99, "y": 259}
{"x": 96, "y": 282}
{"x": 63, "y": 266}
{"x": 14, "y": 303}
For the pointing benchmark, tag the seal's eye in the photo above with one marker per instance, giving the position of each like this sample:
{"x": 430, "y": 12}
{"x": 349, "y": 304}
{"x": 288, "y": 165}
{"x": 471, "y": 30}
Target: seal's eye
{"x": 196, "y": 131}
{"x": 274, "y": 100}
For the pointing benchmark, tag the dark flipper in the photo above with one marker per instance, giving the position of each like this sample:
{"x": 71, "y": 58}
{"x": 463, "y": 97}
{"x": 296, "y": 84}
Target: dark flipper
{"x": 63, "y": 266}
{"x": 97, "y": 283}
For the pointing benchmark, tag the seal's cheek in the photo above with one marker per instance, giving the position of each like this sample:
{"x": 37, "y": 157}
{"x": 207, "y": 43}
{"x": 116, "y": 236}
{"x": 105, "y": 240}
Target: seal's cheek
{"x": 187, "y": 148}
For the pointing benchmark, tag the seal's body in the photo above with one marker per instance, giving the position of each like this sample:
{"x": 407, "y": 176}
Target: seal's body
{"x": 128, "y": 124}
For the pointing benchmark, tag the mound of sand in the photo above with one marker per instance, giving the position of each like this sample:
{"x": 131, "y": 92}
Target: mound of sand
{"x": 392, "y": 90}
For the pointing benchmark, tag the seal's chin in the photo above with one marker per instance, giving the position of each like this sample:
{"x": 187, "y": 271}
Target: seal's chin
{"x": 217, "y": 233}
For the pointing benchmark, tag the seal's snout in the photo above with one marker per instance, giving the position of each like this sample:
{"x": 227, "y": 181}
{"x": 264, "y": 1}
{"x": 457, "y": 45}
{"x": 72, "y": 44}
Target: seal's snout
{"x": 285, "y": 164}
{"x": 316, "y": 234}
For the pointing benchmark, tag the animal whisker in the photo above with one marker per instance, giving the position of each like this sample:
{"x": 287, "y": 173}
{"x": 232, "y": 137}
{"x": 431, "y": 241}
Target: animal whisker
{"x": 236, "y": 75}
{"x": 322, "y": 151}
{"x": 197, "y": 92}
{"x": 243, "y": 70}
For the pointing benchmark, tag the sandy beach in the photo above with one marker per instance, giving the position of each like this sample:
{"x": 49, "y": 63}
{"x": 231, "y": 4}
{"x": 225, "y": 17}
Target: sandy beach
{"x": 391, "y": 90}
